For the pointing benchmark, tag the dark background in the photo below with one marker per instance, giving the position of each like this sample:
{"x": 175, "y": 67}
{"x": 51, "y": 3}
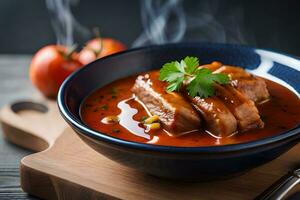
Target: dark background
{"x": 25, "y": 25}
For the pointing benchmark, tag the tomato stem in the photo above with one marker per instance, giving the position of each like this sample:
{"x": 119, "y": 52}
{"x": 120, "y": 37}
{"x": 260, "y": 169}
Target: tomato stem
{"x": 97, "y": 34}
{"x": 67, "y": 55}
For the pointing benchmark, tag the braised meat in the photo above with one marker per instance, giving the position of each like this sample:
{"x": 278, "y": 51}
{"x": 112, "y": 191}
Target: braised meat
{"x": 219, "y": 121}
{"x": 176, "y": 114}
{"x": 251, "y": 86}
{"x": 241, "y": 107}
{"x": 232, "y": 109}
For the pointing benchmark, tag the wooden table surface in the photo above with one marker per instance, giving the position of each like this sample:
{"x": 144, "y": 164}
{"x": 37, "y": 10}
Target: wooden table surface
{"x": 14, "y": 85}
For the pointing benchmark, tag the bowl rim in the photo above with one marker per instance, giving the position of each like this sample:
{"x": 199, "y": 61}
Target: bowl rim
{"x": 79, "y": 126}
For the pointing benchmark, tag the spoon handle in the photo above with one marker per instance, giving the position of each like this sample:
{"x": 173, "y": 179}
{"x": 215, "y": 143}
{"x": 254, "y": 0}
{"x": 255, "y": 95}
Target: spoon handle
{"x": 281, "y": 187}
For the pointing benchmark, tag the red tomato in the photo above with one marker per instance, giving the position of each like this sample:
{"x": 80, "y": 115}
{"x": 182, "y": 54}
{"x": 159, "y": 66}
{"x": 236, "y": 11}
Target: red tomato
{"x": 50, "y": 66}
{"x": 98, "y": 48}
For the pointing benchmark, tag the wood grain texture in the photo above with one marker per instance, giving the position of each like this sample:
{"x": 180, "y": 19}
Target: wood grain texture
{"x": 14, "y": 85}
{"x": 74, "y": 171}
{"x": 29, "y": 127}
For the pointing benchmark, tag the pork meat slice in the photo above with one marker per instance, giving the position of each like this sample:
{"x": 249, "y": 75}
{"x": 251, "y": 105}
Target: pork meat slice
{"x": 241, "y": 107}
{"x": 176, "y": 113}
{"x": 219, "y": 120}
{"x": 253, "y": 87}
{"x": 212, "y": 66}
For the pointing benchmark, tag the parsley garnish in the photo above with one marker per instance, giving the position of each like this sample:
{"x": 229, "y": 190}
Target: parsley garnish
{"x": 116, "y": 131}
{"x": 198, "y": 81}
{"x": 104, "y": 107}
{"x": 143, "y": 118}
{"x": 113, "y": 91}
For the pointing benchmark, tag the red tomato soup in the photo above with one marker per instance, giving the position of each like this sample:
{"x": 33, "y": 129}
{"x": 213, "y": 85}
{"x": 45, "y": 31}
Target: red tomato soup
{"x": 279, "y": 114}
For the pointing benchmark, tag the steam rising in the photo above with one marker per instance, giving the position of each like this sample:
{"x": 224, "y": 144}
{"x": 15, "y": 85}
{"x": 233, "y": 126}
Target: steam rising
{"x": 158, "y": 27}
{"x": 64, "y": 24}
{"x": 166, "y": 21}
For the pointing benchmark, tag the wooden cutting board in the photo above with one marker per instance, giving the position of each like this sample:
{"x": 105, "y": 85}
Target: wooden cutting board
{"x": 66, "y": 168}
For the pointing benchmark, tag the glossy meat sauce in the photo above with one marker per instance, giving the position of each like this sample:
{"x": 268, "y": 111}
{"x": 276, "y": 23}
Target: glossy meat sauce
{"x": 279, "y": 114}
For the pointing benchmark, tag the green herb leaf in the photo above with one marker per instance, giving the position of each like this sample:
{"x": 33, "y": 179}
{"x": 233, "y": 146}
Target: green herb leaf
{"x": 116, "y": 131}
{"x": 198, "y": 81}
{"x": 113, "y": 91}
{"x": 191, "y": 64}
{"x": 221, "y": 78}
{"x": 104, "y": 107}
{"x": 143, "y": 118}
{"x": 202, "y": 84}
{"x": 170, "y": 72}
{"x": 175, "y": 85}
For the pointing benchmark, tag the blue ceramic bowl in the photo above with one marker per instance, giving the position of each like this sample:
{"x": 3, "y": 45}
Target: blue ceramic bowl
{"x": 199, "y": 163}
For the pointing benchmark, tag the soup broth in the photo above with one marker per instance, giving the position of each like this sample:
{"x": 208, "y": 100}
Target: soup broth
{"x": 279, "y": 114}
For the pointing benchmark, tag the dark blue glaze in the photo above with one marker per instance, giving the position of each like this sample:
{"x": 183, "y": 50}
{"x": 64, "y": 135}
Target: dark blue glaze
{"x": 199, "y": 163}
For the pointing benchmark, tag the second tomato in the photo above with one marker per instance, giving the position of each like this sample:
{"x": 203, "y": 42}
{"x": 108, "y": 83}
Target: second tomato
{"x": 98, "y": 48}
